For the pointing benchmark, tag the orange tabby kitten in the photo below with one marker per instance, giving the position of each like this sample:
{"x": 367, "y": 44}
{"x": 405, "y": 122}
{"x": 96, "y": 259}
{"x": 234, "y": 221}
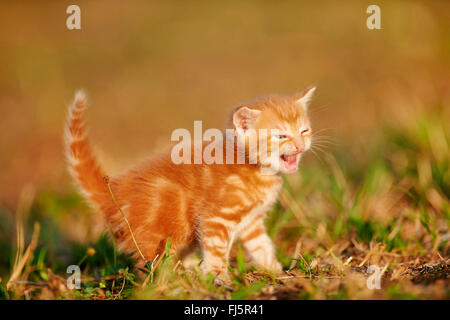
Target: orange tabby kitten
{"x": 207, "y": 204}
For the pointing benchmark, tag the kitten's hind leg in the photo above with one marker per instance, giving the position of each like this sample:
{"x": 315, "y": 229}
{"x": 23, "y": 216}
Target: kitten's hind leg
{"x": 191, "y": 261}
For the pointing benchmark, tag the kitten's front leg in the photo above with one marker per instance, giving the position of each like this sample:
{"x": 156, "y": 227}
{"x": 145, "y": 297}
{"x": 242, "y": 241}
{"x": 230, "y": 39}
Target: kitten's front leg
{"x": 216, "y": 242}
{"x": 259, "y": 246}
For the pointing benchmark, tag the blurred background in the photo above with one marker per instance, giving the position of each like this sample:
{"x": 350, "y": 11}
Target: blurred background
{"x": 150, "y": 67}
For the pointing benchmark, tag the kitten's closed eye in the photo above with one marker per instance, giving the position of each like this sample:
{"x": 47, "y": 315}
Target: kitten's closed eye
{"x": 281, "y": 136}
{"x": 306, "y": 131}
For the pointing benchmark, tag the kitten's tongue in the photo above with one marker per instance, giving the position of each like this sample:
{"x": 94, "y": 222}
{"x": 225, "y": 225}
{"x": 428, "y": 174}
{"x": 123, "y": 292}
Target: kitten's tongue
{"x": 292, "y": 159}
{"x": 290, "y": 162}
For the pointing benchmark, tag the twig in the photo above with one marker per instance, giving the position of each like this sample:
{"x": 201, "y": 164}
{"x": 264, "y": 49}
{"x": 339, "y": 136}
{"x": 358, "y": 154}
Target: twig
{"x": 307, "y": 277}
{"x": 105, "y": 278}
{"x": 24, "y": 258}
{"x": 369, "y": 254}
{"x": 123, "y": 286}
{"x": 106, "y": 180}
{"x": 152, "y": 269}
{"x": 348, "y": 261}
{"x": 30, "y": 283}
{"x": 296, "y": 253}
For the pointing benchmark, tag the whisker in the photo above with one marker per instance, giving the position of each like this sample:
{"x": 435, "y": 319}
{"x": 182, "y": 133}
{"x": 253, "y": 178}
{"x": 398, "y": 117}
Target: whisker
{"x": 322, "y": 130}
{"x": 323, "y": 138}
{"x": 317, "y": 156}
{"x": 320, "y": 108}
{"x": 325, "y": 142}
{"x": 319, "y": 148}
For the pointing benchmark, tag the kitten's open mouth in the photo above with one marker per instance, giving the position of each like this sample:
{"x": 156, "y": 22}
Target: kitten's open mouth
{"x": 289, "y": 161}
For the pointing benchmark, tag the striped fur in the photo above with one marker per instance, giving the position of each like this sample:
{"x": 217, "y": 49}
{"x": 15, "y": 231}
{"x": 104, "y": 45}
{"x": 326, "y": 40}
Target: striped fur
{"x": 210, "y": 205}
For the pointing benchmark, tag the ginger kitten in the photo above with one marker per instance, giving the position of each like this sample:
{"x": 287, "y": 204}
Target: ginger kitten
{"x": 207, "y": 204}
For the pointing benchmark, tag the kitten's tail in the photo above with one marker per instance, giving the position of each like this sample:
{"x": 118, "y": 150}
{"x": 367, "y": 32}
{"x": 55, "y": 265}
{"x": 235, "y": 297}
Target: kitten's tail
{"x": 83, "y": 164}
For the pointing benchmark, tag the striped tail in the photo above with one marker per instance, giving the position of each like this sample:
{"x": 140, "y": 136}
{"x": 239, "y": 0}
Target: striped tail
{"x": 83, "y": 164}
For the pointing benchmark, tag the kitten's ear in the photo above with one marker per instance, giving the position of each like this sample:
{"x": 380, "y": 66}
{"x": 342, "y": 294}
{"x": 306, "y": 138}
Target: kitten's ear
{"x": 245, "y": 118}
{"x": 306, "y": 97}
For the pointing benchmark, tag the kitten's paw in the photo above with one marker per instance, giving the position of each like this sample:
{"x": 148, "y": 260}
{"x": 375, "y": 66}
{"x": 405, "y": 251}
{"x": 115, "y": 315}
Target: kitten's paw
{"x": 274, "y": 267}
{"x": 221, "y": 277}
{"x": 218, "y": 272}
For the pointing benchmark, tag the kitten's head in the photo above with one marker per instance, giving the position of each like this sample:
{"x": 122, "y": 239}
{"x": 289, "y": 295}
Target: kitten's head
{"x": 293, "y": 134}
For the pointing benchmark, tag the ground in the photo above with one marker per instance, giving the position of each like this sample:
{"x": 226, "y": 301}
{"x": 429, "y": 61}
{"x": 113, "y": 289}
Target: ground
{"x": 380, "y": 206}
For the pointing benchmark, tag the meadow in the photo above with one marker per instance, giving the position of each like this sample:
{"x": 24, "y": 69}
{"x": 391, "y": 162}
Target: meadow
{"x": 373, "y": 191}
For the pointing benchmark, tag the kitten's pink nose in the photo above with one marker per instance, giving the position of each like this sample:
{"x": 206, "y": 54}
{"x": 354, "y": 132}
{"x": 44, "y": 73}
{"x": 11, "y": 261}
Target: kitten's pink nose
{"x": 299, "y": 144}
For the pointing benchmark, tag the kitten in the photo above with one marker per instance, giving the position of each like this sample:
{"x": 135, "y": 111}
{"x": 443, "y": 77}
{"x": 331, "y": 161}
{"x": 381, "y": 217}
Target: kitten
{"x": 211, "y": 205}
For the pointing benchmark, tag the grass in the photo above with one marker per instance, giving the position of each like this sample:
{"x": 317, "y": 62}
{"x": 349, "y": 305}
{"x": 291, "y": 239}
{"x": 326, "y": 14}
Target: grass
{"x": 384, "y": 202}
